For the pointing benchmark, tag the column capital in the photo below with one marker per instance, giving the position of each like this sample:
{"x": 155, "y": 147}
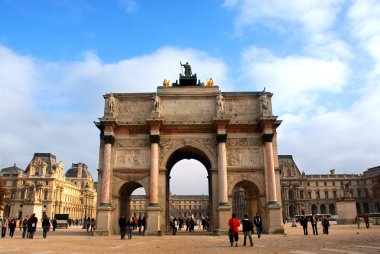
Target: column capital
{"x": 109, "y": 139}
{"x": 221, "y": 138}
{"x": 154, "y": 139}
{"x": 267, "y": 137}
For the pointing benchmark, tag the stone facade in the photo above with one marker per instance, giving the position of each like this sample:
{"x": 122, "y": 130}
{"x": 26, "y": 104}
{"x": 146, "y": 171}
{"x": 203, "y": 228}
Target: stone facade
{"x": 320, "y": 193}
{"x": 42, "y": 188}
{"x": 179, "y": 206}
{"x": 143, "y": 135}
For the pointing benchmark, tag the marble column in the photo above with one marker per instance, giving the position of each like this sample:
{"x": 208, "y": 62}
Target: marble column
{"x": 108, "y": 142}
{"x": 222, "y": 169}
{"x": 153, "y": 188}
{"x": 269, "y": 168}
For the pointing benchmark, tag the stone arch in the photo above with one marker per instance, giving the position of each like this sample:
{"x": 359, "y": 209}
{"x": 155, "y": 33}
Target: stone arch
{"x": 174, "y": 146}
{"x": 259, "y": 183}
{"x": 323, "y": 209}
{"x": 332, "y": 208}
{"x": 314, "y": 208}
{"x": 245, "y": 198}
{"x": 178, "y": 153}
{"x": 124, "y": 193}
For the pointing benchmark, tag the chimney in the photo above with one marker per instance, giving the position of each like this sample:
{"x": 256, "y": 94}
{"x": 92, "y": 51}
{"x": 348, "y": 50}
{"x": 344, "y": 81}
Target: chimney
{"x": 80, "y": 170}
{"x": 332, "y": 171}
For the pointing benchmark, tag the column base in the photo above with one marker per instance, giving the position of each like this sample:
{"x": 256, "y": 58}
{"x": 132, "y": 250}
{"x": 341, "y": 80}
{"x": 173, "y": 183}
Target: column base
{"x": 224, "y": 214}
{"x": 103, "y": 220}
{"x": 274, "y": 217}
{"x": 153, "y": 224}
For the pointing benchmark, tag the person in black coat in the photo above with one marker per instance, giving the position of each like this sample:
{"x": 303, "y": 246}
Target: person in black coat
{"x": 314, "y": 222}
{"x": 303, "y": 221}
{"x": 122, "y": 225}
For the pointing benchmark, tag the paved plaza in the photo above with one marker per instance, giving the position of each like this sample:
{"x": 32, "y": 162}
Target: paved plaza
{"x": 342, "y": 239}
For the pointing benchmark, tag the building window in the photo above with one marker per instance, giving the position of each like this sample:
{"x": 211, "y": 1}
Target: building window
{"x": 326, "y": 194}
{"x": 46, "y": 195}
{"x": 334, "y": 194}
{"x": 318, "y": 195}
{"x": 333, "y": 183}
{"x": 325, "y": 183}
{"x": 47, "y": 183}
{"x": 316, "y": 183}
{"x": 308, "y": 183}
{"x": 301, "y": 194}
{"x": 359, "y": 194}
{"x": 309, "y": 194}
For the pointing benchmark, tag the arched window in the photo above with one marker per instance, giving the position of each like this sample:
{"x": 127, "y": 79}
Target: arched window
{"x": 323, "y": 208}
{"x": 332, "y": 209}
{"x": 314, "y": 208}
{"x": 289, "y": 172}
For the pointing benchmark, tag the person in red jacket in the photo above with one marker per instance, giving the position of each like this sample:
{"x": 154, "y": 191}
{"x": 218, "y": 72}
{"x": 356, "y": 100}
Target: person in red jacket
{"x": 233, "y": 231}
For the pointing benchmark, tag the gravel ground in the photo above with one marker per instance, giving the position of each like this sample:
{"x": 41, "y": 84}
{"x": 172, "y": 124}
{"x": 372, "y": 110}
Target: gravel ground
{"x": 342, "y": 239}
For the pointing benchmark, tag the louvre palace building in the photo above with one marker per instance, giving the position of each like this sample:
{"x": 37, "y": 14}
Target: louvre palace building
{"x": 43, "y": 188}
{"x": 315, "y": 193}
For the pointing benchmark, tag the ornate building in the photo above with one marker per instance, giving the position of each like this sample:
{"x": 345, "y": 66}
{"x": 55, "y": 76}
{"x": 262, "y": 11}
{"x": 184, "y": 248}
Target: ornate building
{"x": 319, "y": 193}
{"x": 44, "y": 189}
{"x": 180, "y": 206}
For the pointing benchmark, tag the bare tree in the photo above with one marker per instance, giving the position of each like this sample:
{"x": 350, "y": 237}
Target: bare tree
{"x": 3, "y": 194}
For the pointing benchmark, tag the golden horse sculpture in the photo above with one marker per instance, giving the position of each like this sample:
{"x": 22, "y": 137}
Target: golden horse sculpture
{"x": 166, "y": 83}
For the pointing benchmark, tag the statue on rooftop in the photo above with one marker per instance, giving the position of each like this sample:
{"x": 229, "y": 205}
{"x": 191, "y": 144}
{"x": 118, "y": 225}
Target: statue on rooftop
{"x": 187, "y": 68}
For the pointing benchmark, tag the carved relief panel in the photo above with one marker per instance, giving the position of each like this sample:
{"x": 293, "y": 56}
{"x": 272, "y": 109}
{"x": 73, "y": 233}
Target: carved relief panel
{"x": 134, "y": 110}
{"x": 242, "y": 109}
{"x": 132, "y": 153}
{"x": 245, "y": 152}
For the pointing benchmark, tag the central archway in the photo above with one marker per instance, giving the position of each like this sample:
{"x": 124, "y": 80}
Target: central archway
{"x": 195, "y": 154}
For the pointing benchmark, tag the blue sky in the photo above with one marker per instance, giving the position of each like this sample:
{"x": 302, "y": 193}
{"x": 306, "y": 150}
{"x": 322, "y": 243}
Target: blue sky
{"x": 321, "y": 59}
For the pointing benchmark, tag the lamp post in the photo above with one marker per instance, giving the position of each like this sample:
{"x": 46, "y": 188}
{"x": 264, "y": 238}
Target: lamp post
{"x": 85, "y": 206}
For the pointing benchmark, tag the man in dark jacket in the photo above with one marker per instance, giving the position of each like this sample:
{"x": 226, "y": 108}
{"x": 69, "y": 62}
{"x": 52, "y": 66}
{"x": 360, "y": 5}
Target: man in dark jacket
{"x": 122, "y": 225}
{"x": 314, "y": 221}
{"x": 247, "y": 228}
{"x": 303, "y": 221}
{"x": 258, "y": 224}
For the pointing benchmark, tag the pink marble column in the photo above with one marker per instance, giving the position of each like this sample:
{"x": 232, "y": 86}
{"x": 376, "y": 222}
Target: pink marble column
{"x": 153, "y": 188}
{"x": 222, "y": 169}
{"x": 108, "y": 141}
{"x": 269, "y": 167}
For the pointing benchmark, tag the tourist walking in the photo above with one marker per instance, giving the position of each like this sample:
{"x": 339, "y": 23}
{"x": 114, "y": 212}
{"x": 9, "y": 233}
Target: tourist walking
{"x": 303, "y": 221}
{"x": 129, "y": 228}
{"x": 1, "y": 226}
{"x": 55, "y": 224}
{"x": 247, "y": 229}
{"x": 45, "y": 226}
{"x": 326, "y": 225}
{"x": 314, "y": 222}
{"x": 366, "y": 220}
{"x": 122, "y": 225}
{"x": 12, "y": 227}
{"x": 88, "y": 223}
{"x": 32, "y": 225}
{"x": 4, "y": 227}
{"x": 258, "y": 221}
{"x": 233, "y": 232}
{"x": 92, "y": 225}
{"x": 143, "y": 223}
{"x": 25, "y": 226}
{"x": 139, "y": 224}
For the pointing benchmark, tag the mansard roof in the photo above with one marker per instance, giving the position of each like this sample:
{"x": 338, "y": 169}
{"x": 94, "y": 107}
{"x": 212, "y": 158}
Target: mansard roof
{"x": 48, "y": 158}
{"x": 12, "y": 170}
{"x": 73, "y": 171}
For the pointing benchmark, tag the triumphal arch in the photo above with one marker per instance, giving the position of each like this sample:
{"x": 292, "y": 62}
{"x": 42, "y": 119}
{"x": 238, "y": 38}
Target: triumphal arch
{"x": 143, "y": 135}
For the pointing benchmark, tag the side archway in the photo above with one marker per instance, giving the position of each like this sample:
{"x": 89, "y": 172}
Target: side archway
{"x": 125, "y": 193}
{"x": 245, "y": 199}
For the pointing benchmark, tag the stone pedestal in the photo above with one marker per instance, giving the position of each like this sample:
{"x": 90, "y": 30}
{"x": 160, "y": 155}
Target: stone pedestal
{"x": 224, "y": 214}
{"x": 346, "y": 210}
{"x": 153, "y": 223}
{"x": 30, "y": 208}
{"x": 103, "y": 221}
{"x": 274, "y": 217}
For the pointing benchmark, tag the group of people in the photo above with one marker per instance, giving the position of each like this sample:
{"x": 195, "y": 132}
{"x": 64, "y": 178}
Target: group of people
{"x": 248, "y": 229}
{"x": 365, "y": 219}
{"x": 304, "y": 221}
{"x": 177, "y": 224}
{"x": 27, "y": 225}
{"x": 90, "y": 224}
{"x": 127, "y": 226}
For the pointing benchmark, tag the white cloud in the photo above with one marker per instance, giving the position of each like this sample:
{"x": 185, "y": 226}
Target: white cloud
{"x": 51, "y": 106}
{"x": 296, "y": 81}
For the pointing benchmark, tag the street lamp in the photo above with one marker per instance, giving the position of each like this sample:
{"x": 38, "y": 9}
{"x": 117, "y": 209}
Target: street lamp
{"x": 85, "y": 206}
